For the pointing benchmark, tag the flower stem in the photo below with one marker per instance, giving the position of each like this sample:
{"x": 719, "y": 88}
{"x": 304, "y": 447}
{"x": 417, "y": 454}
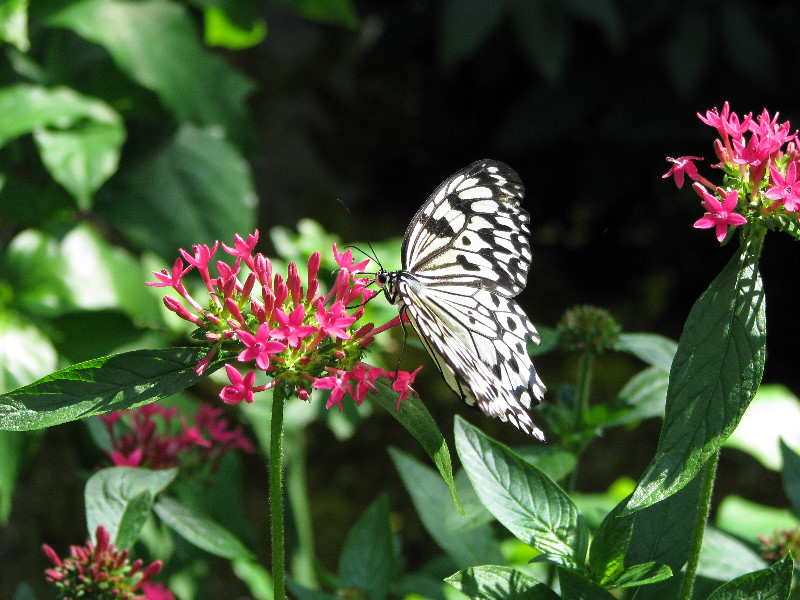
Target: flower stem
{"x": 276, "y": 491}
{"x": 709, "y": 472}
{"x": 581, "y": 405}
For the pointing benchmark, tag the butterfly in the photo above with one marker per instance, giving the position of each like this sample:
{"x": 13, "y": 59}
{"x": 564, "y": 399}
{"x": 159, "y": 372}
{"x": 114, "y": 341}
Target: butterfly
{"x": 465, "y": 256}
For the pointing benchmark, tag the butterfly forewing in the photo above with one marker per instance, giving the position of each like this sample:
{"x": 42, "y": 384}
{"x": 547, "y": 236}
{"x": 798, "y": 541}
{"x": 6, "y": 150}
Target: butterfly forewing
{"x": 465, "y": 255}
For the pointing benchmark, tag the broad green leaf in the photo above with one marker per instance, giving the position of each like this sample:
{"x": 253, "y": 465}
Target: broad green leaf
{"x": 790, "y": 474}
{"x": 102, "y": 385}
{"x": 199, "y": 530}
{"x": 747, "y": 520}
{"x": 774, "y": 414}
{"x": 465, "y": 26}
{"x": 609, "y": 545}
{"x": 716, "y": 371}
{"x": 643, "y": 397}
{"x": 773, "y": 583}
{"x": 724, "y": 557}
{"x": 431, "y": 499}
{"x": 23, "y": 592}
{"x": 221, "y": 31}
{"x": 255, "y": 576}
{"x": 110, "y": 492}
{"x": 156, "y": 44}
{"x": 331, "y": 12}
{"x": 525, "y": 500}
{"x": 133, "y": 518}
{"x": 14, "y": 23}
{"x": 414, "y": 416}
{"x": 655, "y": 350}
{"x": 662, "y": 533}
{"x": 575, "y": 585}
{"x": 77, "y": 272}
{"x": 195, "y": 189}
{"x": 368, "y": 562}
{"x": 493, "y": 582}
{"x": 26, "y": 353}
{"x": 638, "y": 575}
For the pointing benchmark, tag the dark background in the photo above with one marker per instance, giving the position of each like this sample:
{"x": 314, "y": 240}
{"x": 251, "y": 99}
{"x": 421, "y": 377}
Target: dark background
{"x": 585, "y": 100}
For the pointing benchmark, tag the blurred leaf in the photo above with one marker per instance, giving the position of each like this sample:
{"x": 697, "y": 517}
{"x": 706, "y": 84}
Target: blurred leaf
{"x": 773, "y": 583}
{"x": 16, "y": 448}
{"x": 257, "y": 578}
{"x": 431, "y": 500}
{"x": 368, "y": 562}
{"x": 23, "y": 592}
{"x": 525, "y": 500}
{"x": 637, "y": 575}
{"x": 493, "y": 582}
{"x": 80, "y": 271}
{"x": 26, "y": 354}
{"x": 609, "y": 545}
{"x": 774, "y": 414}
{"x": 642, "y": 397}
{"x": 156, "y": 44}
{"x": 723, "y": 557}
{"x": 199, "y": 529}
{"x": 196, "y": 189}
{"x": 556, "y": 462}
{"x": 655, "y": 350}
{"x": 751, "y": 51}
{"x": 79, "y": 138}
{"x": 715, "y": 374}
{"x": 602, "y": 13}
{"x": 110, "y": 492}
{"x": 14, "y": 23}
{"x": 688, "y": 49}
{"x": 102, "y": 385}
{"x": 330, "y": 12}
{"x": 221, "y": 31}
{"x": 747, "y": 520}
{"x": 790, "y": 474}
{"x": 464, "y": 26}
{"x": 543, "y": 32}
{"x": 133, "y": 519}
{"x": 414, "y": 416}
{"x": 576, "y": 585}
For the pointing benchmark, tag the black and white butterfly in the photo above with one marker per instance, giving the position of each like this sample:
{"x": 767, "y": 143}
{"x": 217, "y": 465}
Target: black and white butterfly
{"x": 465, "y": 255}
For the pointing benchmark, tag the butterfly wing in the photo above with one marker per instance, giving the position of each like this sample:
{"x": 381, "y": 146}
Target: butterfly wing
{"x": 465, "y": 256}
{"x": 472, "y": 231}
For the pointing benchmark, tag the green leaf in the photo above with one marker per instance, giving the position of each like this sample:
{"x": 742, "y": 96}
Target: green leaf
{"x": 331, "y": 12}
{"x": 368, "y": 562}
{"x": 716, "y": 372}
{"x": 655, "y": 350}
{"x": 431, "y": 500}
{"x": 414, "y": 416}
{"x": 724, "y": 557}
{"x": 16, "y": 447}
{"x": 195, "y": 189}
{"x": 575, "y": 585}
{"x": 493, "y": 582}
{"x": 79, "y": 138}
{"x": 255, "y": 576}
{"x": 133, "y": 519}
{"x": 773, "y": 583}
{"x": 638, "y": 575}
{"x": 543, "y": 33}
{"x": 774, "y": 414}
{"x": 102, "y": 385}
{"x": 747, "y": 520}
{"x": 609, "y": 545}
{"x": 525, "y": 500}
{"x": 644, "y": 397}
{"x": 221, "y": 31}
{"x": 110, "y": 492}
{"x": 25, "y": 352}
{"x": 790, "y": 474}
{"x": 199, "y": 530}
{"x": 464, "y": 26}
{"x": 14, "y": 23}
{"x": 155, "y": 43}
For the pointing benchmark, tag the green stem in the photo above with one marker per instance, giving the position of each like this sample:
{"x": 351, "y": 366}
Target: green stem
{"x": 709, "y": 472}
{"x": 581, "y": 406}
{"x": 276, "y": 491}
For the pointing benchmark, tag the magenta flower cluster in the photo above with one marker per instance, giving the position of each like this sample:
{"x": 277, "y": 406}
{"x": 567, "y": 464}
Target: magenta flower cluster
{"x": 103, "y": 571}
{"x": 298, "y": 335}
{"x": 157, "y": 437}
{"x": 758, "y": 158}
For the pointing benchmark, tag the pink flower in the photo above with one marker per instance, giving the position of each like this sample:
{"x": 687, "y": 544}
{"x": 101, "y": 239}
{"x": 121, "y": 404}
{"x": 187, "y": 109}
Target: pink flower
{"x": 339, "y": 385}
{"x": 345, "y": 261}
{"x": 714, "y": 119}
{"x": 680, "y": 167}
{"x": 259, "y": 347}
{"x": 241, "y": 388}
{"x": 786, "y": 190}
{"x": 719, "y": 215}
{"x": 365, "y": 381}
{"x": 134, "y": 459}
{"x": 333, "y": 323}
{"x": 156, "y": 591}
{"x": 173, "y": 279}
{"x": 403, "y": 383}
{"x": 291, "y": 327}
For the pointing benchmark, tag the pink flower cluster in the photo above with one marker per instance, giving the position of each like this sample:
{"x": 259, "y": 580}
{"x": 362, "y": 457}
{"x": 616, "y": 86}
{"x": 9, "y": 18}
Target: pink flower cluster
{"x": 758, "y": 156}
{"x": 103, "y": 571}
{"x": 154, "y": 438}
{"x": 299, "y": 336}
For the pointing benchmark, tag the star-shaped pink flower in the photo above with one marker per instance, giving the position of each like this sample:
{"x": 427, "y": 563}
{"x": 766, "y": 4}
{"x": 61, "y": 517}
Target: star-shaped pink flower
{"x": 403, "y": 383}
{"x": 291, "y": 326}
{"x": 787, "y": 189}
{"x": 241, "y": 388}
{"x": 719, "y": 215}
{"x": 339, "y": 385}
{"x": 680, "y": 167}
{"x": 333, "y": 323}
{"x": 259, "y": 346}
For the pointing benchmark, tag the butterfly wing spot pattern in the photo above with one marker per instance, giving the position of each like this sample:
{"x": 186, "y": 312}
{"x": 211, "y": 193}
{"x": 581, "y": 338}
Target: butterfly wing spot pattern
{"x": 465, "y": 255}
